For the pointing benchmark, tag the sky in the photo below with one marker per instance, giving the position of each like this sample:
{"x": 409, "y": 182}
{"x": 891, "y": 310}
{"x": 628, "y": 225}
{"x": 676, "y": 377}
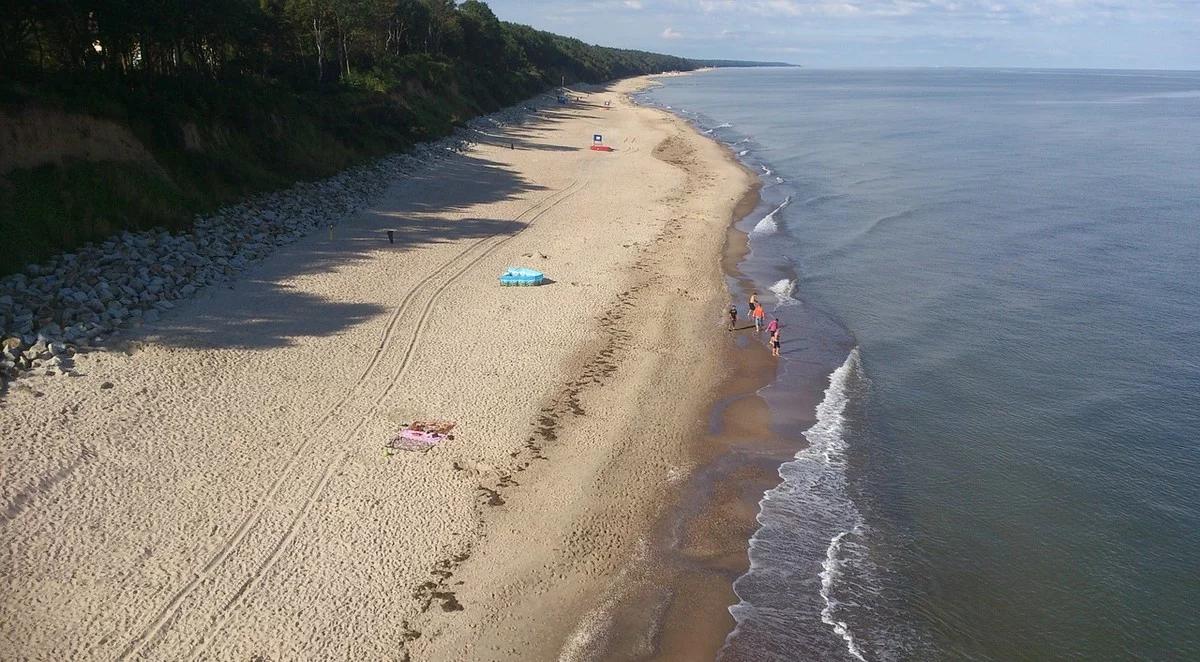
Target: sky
{"x": 1109, "y": 34}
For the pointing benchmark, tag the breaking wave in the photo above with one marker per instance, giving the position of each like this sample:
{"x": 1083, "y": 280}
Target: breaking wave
{"x": 769, "y": 224}
{"x": 809, "y": 531}
{"x": 783, "y": 289}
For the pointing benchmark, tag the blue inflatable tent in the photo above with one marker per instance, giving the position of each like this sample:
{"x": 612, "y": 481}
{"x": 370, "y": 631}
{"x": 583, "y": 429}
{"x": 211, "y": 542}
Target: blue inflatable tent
{"x": 522, "y": 276}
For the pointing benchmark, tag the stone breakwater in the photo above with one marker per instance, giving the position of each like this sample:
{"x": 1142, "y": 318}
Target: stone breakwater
{"x": 75, "y": 302}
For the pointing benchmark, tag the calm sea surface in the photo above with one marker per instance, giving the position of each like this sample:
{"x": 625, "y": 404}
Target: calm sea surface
{"x": 994, "y": 277}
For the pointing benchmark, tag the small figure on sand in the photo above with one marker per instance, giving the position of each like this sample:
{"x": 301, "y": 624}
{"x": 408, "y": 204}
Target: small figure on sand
{"x": 773, "y": 326}
{"x": 732, "y": 316}
{"x": 758, "y": 315}
{"x": 775, "y": 342}
{"x": 753, "y": 304}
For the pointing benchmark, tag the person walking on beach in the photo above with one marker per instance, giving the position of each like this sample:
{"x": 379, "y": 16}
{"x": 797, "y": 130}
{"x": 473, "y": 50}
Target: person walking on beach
{"x": 773, "y": 326}
{"x": 753, "y": 304}
{"x": 732, "y": 316}
{"x": 775, "y": 342}
{"x": 758, "y": 315}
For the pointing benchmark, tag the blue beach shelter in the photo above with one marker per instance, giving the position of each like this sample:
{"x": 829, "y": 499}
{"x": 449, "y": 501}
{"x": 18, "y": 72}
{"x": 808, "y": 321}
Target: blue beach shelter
{"x": 522, "y": 276}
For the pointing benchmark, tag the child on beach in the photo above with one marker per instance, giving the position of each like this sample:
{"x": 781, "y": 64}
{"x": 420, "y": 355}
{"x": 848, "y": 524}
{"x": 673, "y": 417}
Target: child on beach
{"x": 775, "y": 342}
{"x": 758, "y": 314}
{"x": 753, "y": 304}
{"x": 732, "y": 316}
{"x": 773, "y": 326}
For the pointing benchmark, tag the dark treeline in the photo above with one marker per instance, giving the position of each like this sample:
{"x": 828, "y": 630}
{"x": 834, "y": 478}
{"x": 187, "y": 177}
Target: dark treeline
{"x": 232, "y": 97}
{"x": 301, "y": 42}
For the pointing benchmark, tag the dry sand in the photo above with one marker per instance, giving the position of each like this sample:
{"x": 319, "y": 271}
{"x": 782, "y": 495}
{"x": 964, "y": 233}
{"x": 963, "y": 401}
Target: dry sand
{"x": 229, "y": 497}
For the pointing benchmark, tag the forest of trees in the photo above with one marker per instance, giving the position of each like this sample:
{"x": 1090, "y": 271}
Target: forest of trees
{"x": 232, "y": 97}
{"x": 299, "y": 42}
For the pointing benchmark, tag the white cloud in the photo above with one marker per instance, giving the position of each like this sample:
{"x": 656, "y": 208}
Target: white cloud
{"x": 1056, "y": 10}
{"x": 1096, "y": 33}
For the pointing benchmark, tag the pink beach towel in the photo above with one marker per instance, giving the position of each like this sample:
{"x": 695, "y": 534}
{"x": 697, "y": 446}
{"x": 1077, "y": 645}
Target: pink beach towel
{"x": 413, "y": 440}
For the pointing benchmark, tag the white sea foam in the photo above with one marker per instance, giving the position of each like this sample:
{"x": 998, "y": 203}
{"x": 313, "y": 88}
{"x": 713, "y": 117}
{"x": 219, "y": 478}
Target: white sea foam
{"x": 810, "y": 500}
{"x": 783, "y": 290}
{"x": 831, "y": 571}
{"x": 765, "y": 226}
{"x": 826, "y": 437}
{"x": 743, "y": 152}
{"x": 768, "y": 224}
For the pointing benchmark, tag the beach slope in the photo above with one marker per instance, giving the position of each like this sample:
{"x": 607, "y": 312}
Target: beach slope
{"x": 218, "y": 487}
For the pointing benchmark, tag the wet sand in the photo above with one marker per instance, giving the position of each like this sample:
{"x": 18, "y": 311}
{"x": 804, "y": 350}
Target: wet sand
{"x": 686, "y": 586}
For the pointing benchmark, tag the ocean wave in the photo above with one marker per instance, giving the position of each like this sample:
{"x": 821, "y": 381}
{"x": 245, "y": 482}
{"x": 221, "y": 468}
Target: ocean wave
{"x": 826, "y": 437}
{"x": 743, "y": 152}
{"x": 1140, "y": 98}
{"x": 871, "y": 180}
{"x": 831, "y": 572}
{"x": 783, "y": 290}
{"x": 768, "y": 224}
{"x": 818, "y": 199}
{"x": 854, "y": 241}
{"x": 885, "y": 219}
{"x": 809, "y": 529}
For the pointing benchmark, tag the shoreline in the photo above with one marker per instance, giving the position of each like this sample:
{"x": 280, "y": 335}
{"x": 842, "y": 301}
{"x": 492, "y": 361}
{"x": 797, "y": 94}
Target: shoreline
{"x": 600, "y": 627}
{"x": 232, "y": 481}
{"x": 700, "y": 545}
{"x": 760, "y": 428}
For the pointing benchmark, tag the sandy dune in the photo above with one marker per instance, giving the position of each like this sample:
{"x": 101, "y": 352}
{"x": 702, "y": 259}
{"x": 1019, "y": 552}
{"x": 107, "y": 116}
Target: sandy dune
{"x": 229, "y": 497}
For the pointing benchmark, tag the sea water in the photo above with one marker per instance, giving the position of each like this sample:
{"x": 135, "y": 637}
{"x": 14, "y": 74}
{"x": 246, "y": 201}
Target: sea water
{"x": 989, "y": 280}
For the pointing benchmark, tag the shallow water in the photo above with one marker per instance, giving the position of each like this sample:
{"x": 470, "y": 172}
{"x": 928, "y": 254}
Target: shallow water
{"x": 1007, "y": 466}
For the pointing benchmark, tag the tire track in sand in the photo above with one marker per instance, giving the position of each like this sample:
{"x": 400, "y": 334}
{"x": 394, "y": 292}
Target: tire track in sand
{"x": 171, "y": 610}
{"x": 224, "y": 615}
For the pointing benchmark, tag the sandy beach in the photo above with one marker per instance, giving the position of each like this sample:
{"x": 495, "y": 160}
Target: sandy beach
{"x": 215, "y": 486}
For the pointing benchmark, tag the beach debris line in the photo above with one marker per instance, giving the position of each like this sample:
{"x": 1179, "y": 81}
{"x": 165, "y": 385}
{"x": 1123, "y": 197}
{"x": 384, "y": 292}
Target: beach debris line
{"x": 420, "y": 436}
{"x": 522, "y": 276}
